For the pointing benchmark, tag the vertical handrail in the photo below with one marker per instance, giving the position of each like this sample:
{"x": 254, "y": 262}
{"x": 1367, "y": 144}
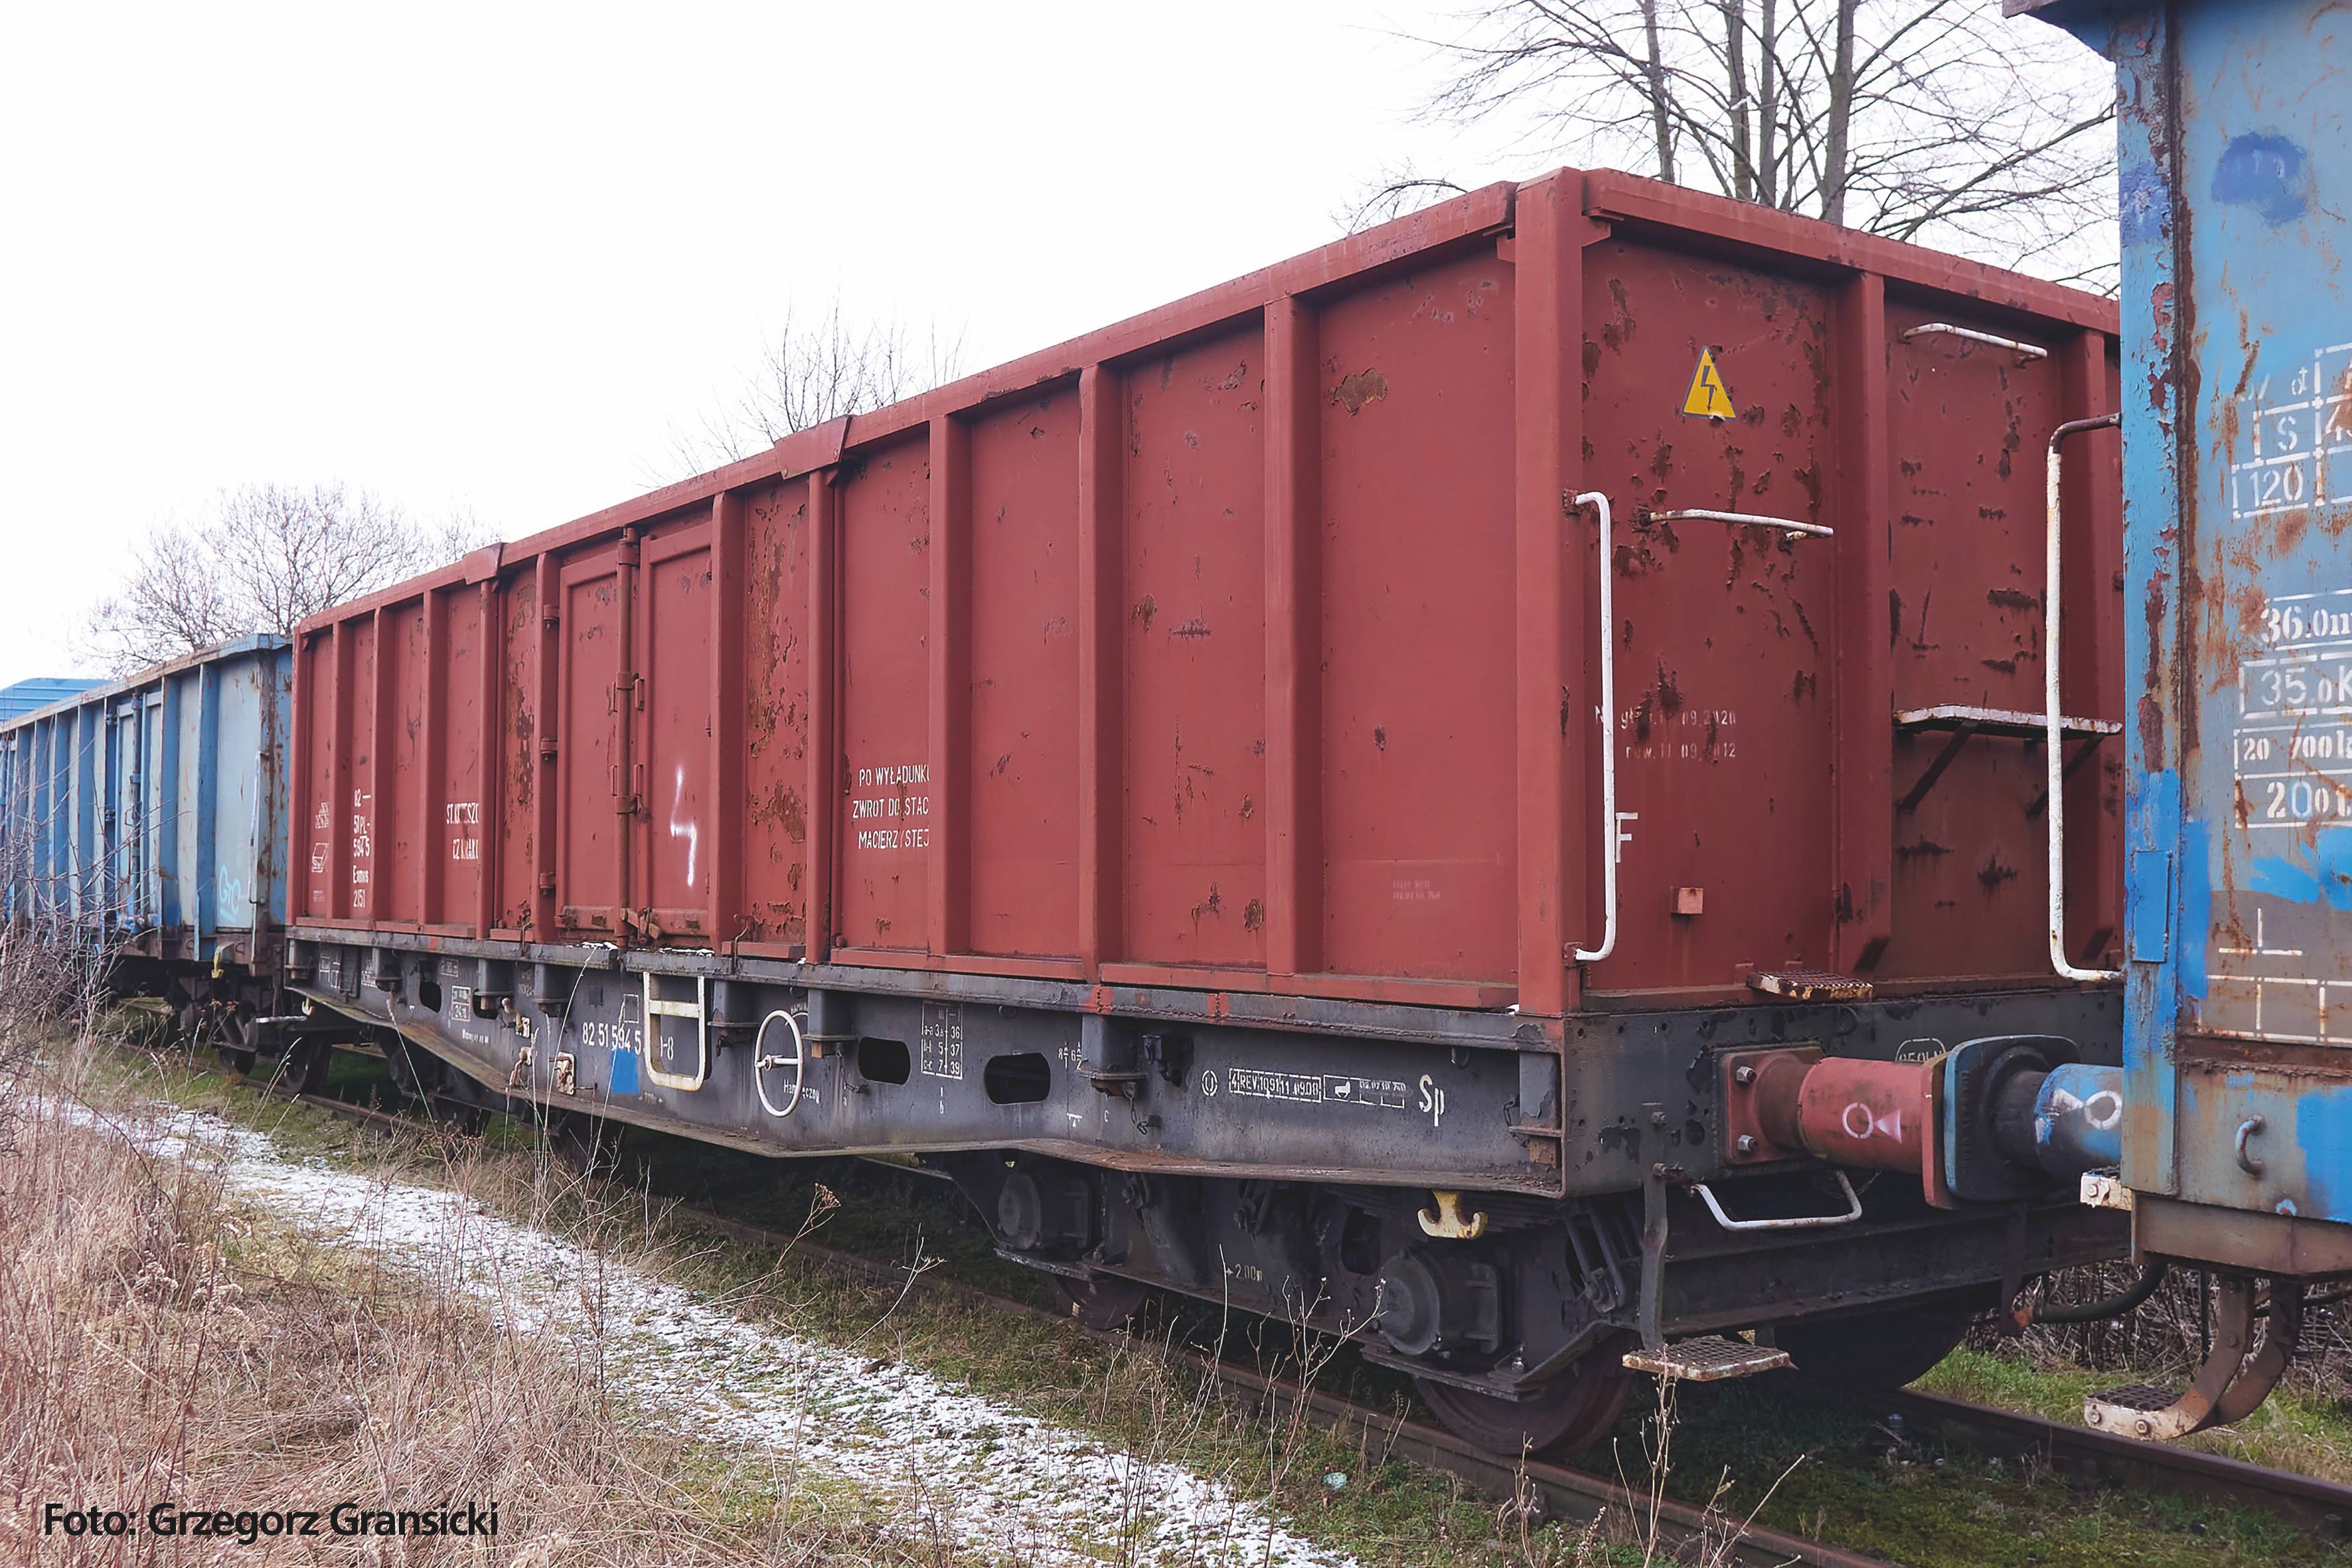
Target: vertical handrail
{"x": 2054, "y": 724}
{"x": 1608, "y": 710}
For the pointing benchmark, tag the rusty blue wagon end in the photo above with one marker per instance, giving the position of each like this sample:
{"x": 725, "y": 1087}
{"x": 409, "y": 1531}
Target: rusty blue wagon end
{"x": 147, "y": 817}
{"x": 2236, "y": 1116}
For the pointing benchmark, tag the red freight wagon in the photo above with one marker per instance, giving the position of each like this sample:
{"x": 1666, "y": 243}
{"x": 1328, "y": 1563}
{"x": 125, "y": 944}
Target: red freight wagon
{"x": 1198, "y": 751}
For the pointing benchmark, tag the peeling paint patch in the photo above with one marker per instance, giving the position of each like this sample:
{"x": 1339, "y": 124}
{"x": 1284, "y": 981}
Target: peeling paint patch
{"x": 1365, "y": 386}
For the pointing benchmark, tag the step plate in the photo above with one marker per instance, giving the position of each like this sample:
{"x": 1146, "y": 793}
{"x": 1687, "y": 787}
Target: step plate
{"x": 1710, "y": 1359}
{"x": 1810, "y": 985}
{"x": 2144, "y": 1410}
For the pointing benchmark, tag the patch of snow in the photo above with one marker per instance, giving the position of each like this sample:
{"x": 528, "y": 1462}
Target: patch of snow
{"x": 988, "y": 1476}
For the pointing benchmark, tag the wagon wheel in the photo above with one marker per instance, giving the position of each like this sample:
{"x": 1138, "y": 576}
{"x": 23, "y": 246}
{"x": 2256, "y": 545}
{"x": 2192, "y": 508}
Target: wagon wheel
{"x": 1884, "y": 1349}
{"x": 419, "y": 1078}
{"x": 305, "y": 1065}
{"x": 1102, "y": 1300}
{"x": 224, "y": 1032}
{"x": 589, "y": 1145}
{"x": 1572, "y": 1411}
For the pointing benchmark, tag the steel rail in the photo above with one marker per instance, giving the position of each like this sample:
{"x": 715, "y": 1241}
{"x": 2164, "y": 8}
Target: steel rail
{"x": 2321, "y": 1506}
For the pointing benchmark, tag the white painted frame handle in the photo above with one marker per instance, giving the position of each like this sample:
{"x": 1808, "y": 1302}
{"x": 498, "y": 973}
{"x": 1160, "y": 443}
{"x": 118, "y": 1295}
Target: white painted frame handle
{"x": 1970, "y": 334}
{"x": 1748, "y": 519}
{"x": 1608, "y": 711}
{"x": 2053, "y": 722}
{"x": 699, "y": 1010}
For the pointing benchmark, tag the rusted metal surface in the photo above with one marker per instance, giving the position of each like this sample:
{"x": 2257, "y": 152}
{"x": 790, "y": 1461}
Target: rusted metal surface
{"x": 2237, "y": 423}
{"x": 1247, "y": 645}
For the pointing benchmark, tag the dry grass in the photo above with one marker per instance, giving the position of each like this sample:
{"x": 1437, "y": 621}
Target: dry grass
{"x": 156, "y": 1347}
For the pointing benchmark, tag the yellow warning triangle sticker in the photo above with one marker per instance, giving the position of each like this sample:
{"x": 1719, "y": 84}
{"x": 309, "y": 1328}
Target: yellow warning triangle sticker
{"x": 1707, "y": 398}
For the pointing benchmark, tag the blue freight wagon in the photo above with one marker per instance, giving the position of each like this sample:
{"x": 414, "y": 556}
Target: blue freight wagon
{"x": 146, "y": 819}
{"x": 19, "y": 697}
{"x": 2236, "y": 1088}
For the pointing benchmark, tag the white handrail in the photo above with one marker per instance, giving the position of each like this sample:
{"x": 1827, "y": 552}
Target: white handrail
{"x": 2054, "y": 722}
{"x": 1749, "y": 518}
{"x": 1946, "y": 328}
{"x": 1608, "y": 709}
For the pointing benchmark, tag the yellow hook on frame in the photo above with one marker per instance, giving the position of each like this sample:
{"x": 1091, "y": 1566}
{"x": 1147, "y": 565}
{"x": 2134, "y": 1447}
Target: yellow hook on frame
{"x": 1447, "y": 1223}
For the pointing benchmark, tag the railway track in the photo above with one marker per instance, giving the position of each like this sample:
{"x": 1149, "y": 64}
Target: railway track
{"x": 1558, "y": 1491}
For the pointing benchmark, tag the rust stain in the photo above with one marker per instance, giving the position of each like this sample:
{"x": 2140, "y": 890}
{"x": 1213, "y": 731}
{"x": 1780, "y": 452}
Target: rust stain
{"x": 1618, "y": 330}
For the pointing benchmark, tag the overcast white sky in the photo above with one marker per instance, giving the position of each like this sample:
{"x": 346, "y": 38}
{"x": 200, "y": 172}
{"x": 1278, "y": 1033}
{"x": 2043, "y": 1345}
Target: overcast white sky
{"x": 491, "y": 256}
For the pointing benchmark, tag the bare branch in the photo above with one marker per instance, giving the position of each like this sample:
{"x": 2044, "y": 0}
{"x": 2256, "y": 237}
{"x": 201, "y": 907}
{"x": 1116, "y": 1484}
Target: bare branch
{"x": 817, "y": 368}
{"x": 1929, "y": 120}
{"x": 1392, "y": 194}
{"x": 269, "y": 557}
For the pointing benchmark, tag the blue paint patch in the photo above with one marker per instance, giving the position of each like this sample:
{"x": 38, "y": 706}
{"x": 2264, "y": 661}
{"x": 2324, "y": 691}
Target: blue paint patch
{"x": 2328, "y": 880}
{"x": 2323, "y": 1137}
{"x": 2268, "y": 174}
{"x": 622, "y": 1073}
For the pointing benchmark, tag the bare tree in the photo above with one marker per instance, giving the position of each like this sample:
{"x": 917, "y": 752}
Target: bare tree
{"x": 269, "y": 557}
{"x": 1930, "y": 120}
{"x": 815, "y": 369}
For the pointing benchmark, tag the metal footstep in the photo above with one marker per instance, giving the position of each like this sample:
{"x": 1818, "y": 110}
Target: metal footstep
{"x": 2137, "y": 1410}
{"x": 1711, "y": 1358}
{"x": 1810, "y": 985}
{"x": 2234, "y": 1379}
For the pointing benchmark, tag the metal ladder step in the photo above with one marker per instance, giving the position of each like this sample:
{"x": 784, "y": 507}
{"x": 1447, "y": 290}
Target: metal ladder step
{"x": 2137, "y": 1410}
{"x": 1810, "y": 985}
{"x": 1710, "y": 1358}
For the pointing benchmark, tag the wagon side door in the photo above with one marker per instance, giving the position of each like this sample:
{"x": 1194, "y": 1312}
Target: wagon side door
{"x": 591, "y": 841}
{"x": 673, "y": 717}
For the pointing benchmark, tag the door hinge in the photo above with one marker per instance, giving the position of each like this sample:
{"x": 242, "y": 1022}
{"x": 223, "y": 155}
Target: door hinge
{"x": 547, "y": 883}
{"x": 547, "y": 748}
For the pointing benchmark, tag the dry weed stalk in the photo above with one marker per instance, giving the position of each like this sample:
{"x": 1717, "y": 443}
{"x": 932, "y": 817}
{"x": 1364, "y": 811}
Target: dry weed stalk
{"x": 155, "y": 1349}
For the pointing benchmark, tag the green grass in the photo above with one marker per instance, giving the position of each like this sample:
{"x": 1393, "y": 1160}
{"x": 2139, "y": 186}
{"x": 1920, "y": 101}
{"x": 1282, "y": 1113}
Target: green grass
{"x": 2293, "y": 1430}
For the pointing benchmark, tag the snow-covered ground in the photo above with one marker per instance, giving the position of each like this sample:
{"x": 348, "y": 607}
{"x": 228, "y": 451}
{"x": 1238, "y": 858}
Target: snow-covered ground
{"x": 970, "y": 1468}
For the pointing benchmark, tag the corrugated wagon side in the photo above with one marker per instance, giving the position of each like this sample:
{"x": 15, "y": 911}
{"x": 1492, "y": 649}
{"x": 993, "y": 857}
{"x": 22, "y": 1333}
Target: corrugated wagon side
{"x": 146, "y": 819}
{"x": 1356, "y": 785}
